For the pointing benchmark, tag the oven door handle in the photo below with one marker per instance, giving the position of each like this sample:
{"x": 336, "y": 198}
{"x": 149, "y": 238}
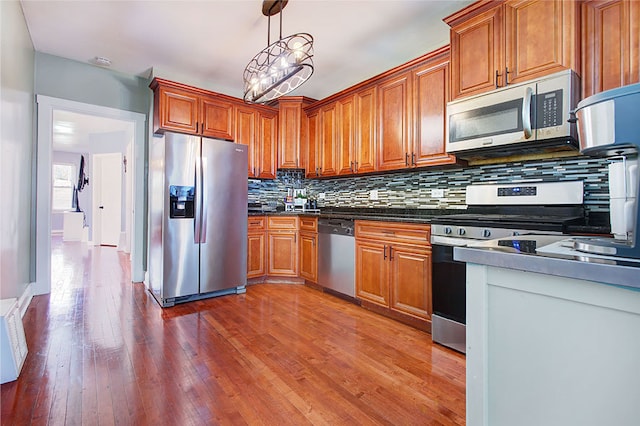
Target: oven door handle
{"x": 526, "y": 113}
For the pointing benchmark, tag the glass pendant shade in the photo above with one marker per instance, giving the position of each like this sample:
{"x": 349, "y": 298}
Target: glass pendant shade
{"x": 279, "y": 68}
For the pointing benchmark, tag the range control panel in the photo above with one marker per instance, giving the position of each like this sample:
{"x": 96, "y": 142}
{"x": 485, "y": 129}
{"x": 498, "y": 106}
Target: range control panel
{"x": 516, "y": 191}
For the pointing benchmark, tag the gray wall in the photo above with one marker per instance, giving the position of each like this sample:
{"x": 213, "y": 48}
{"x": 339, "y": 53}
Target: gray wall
{"x": 16, "y": 150}
{"x": 66, "y": 79}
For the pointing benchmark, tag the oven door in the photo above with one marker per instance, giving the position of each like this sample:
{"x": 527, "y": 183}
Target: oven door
{"x": 498, "y": 118}
{"x": 448, "y": 288}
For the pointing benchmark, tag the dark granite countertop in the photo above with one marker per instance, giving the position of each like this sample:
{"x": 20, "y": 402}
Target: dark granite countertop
{"x": 595, "y": 224}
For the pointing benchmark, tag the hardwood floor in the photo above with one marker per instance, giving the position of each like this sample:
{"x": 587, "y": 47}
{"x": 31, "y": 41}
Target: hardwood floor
{"x": 101, "y": 351}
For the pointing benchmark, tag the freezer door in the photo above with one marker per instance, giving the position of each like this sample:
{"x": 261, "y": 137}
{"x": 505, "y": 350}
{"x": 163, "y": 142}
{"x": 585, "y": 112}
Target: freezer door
{"x": 180, "y": 247}
{"x": 223, "y": 242}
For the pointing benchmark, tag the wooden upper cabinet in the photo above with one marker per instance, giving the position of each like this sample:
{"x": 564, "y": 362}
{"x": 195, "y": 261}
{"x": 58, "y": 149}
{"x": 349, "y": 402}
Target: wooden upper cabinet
{"x": 431, "y": 94}
{"x": 496, "y": 43}
{"x": 292, "y": 130}
{"x": 216, "y": 118}
{"x": 611, "y": 45}
{"x": 267, "y": 140}
{"x": 394, "y": 112}
{"x": 246, "y": 134}
{"x": 476, "y": 53}
{"x": 364, "y": 155}
{"x": 345, "y": 144}
{"x": 310, "y": 156}
{"x": 328, "y": 140}
{"x": 542, "y": 37}
{"x": 186, "y": 109}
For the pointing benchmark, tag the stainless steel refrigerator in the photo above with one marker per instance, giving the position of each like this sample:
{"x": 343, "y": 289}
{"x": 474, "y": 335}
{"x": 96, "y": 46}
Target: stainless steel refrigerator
{"x": 197, "y": 218}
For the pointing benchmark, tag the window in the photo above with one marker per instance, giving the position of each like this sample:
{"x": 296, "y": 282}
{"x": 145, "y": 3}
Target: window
{"x": 64, "y": 176}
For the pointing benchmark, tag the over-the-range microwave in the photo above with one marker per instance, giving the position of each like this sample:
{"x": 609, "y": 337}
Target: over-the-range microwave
{"x": 515, "y": 119}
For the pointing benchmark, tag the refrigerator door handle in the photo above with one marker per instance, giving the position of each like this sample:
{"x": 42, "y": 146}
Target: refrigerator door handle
{"x": 204, "y": 189}
{"x": 197, "y": 222}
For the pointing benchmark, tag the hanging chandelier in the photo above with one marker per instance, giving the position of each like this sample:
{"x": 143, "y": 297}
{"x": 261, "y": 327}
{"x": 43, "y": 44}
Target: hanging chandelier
{"x": 280, "y": 67}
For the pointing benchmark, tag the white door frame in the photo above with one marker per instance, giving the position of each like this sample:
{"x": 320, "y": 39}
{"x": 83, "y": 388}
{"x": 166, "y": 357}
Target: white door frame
{"x": 46, "y": 106}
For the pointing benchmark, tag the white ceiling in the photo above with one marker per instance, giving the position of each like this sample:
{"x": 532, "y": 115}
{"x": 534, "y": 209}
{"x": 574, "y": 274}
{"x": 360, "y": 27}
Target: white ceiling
{"x": 209, "y": 43}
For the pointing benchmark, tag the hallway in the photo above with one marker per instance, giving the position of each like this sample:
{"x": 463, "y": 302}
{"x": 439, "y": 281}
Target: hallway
{"x": 101, "y": 351}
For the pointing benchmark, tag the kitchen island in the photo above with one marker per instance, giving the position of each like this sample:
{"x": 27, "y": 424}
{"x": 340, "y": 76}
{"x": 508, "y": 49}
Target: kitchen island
{"x": 553, "y": 341}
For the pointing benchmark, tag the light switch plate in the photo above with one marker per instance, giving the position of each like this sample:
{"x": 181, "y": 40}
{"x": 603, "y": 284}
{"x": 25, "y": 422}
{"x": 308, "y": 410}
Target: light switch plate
{"x": 373, "y": 194}
{"x": 437, "y": 193}
{"x": 322, "y": 196}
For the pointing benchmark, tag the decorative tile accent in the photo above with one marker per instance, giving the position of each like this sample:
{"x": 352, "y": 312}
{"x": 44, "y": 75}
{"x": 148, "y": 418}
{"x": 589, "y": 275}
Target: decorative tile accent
{"x": 413, "y": 189}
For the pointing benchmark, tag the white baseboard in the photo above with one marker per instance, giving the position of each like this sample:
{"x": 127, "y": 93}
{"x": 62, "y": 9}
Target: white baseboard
{"x": 25, "y": 299}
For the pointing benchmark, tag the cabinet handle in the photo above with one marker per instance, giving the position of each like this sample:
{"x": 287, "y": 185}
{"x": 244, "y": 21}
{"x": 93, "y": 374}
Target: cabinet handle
{"x": 390, "y": 251}
{"x": 406, "y": 159}
{"x": 254, "y": 171}
{"x": 295, "y": 237}
{"x": 356, "y": 168}
{"x": 197, "y": 127}
{"x": 384, "y": 251}
{"x": 254, "y": 223}
{"x": 351, "y": 166}
{"x": 506, "y": 76}
{"x": 413, "y": 159}
{"x": 497, "y": 75}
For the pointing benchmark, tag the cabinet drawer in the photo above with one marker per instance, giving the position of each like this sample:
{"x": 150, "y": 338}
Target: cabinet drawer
{"x": 309, "y": 224}
{"x": 256, "y": 223}
{"x": 389, "y": 231}
{"x": 289, "y": 223}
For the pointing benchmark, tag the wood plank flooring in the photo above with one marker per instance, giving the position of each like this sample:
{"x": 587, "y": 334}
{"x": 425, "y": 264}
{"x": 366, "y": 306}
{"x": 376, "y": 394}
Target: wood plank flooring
{"x": 102, "y": 352}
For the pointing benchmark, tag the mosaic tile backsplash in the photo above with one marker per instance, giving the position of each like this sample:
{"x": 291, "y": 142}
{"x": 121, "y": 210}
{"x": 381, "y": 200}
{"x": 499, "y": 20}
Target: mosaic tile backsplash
{"x": 411, "y": 190}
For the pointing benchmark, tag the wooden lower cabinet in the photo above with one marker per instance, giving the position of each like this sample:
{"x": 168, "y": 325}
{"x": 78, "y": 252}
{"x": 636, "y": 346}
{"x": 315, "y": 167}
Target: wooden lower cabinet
{"x": 393, "y": 268}
{"x": 256, "y": 247}
{"x": 309, "y": 256}
{"x": 282, "y": 246}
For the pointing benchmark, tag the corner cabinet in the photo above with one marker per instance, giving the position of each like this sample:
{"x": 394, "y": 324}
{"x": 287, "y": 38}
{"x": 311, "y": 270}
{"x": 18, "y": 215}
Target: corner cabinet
{"x": 495, "y": 43}
{"x": 292, "y": 130}
{"x": 393, "y": 269}
{"x": 611, "y": 45}
{"x": 258, "y": 130}
{"x": 184, "y": 109}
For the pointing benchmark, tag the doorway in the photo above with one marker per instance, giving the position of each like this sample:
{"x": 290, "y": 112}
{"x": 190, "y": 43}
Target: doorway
{"x": 47, "y": 108}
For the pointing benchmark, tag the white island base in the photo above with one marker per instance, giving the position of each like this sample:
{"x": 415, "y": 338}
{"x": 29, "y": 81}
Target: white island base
{"x": 549, "y": 350}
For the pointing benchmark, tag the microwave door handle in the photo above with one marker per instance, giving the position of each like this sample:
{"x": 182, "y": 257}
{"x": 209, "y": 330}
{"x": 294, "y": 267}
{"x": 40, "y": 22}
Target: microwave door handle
{"x": 526, "y": 113}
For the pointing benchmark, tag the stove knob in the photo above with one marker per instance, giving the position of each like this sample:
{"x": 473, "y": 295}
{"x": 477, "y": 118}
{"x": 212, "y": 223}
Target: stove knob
{"x": 515, "y": 233}
{"x": 447, "y": 230}
{"x": 461, "y": 231}
{"x": 486, "y": 233}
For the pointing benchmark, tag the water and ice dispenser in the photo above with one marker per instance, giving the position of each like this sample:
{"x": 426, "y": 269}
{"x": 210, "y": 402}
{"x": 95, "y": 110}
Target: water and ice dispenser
{"x": 181, "y": 200}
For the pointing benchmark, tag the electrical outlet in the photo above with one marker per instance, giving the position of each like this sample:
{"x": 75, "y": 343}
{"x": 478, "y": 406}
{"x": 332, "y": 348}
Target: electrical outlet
{"x": 437, "y": 193}
{"x": 373, "y": 194}
{"x": 322, "y": 196}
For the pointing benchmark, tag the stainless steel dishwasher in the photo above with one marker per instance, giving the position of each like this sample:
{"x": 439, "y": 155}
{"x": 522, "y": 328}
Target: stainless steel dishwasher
{"x": 337, "y": 256}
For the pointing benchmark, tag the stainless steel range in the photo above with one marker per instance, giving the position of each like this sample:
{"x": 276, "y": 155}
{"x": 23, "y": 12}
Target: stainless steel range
{"x": 494, "y": 211}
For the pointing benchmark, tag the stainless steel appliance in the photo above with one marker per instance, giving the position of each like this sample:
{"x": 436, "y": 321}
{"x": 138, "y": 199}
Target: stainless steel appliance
{"x": 515, "y": 118}
{"x": 608, "y": 127}
{"x": 337, "y": 256}
{"x": 494, "y": 211}
{"x": 197, "y": 218}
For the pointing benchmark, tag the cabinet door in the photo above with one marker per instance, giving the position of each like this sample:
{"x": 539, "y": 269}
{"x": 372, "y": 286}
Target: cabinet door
{"x": 540, "y": 37}
{"x": 393, "y": 123}
{"x": 309, "y": 256}
{"x": 372, "y": 272}
{"x": 290, "y": 115}
{"x": 283, "y": 254}
{"x": 217, "y": 119}
{"x": 246, "y": 134}
{"x": 256, "y": 255}
{"x": 477, "y": 53}
{"x": 311, "y": 150}
{"x": 365, "y": 131}
{"x": 328, "y": 136}
{"x": 177, "y": 110}
{"x": 431, "y": 94}
{"x": 611, "y": 42}
{"x": 411, "y": 280}
{"x": 345, "y": 141}
{"x": 265, "y": 155}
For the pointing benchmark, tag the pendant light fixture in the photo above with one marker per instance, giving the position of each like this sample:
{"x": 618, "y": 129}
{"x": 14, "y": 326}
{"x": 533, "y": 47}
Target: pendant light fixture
{"x": 280, "y": 67}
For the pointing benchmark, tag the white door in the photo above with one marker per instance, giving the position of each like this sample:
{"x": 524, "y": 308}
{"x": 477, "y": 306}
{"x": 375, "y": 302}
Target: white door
{"x": 107, "y": 198}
